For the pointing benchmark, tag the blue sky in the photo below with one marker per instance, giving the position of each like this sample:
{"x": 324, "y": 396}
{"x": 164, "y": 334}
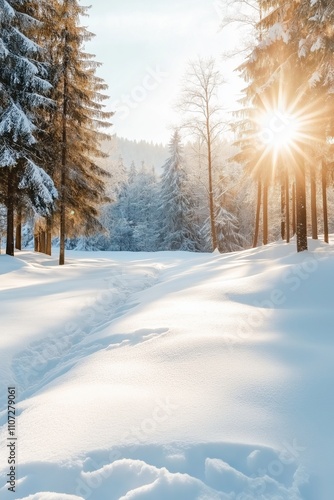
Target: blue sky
{"x": 144, "y": 47}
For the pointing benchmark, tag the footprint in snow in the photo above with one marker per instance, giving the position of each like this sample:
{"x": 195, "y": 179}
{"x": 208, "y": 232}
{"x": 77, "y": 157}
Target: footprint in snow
{"x": 137, "y": 337}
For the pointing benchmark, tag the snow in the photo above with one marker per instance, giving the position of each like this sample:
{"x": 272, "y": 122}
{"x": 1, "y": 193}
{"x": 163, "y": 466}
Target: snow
{"x": 15, "y": 121}
{"x": 170, "y": 375}
{"x": 318, "y": 44}
{"x": 302, "y": 49}
{"x": 278, "y": 31}
{"x": 315, "y": 78}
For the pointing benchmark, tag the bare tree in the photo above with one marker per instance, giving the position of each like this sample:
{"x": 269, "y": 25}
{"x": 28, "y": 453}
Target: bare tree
{"x": 241, "y": 17}
{"x": 199, "y": 104}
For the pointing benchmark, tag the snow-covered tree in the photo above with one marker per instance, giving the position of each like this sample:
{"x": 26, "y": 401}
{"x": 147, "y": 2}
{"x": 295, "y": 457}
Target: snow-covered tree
{"x": 315, "y": 49}
{"x": 132, "y": 172}
{"x": 23, "y": 92}
{"x": 229, "y": 236}
{"x": 290, "y": 70}
{"x": 119, "y": 220}
{"x": 133, "y": 220}
{"x": 144, "y": 208}
{"x": 74, "y": 132}
{"x": 2, "y": 224}
{"x": 177, "y": 231}
{"x": 228, "y": 232}
{"x": 200, "y": 106}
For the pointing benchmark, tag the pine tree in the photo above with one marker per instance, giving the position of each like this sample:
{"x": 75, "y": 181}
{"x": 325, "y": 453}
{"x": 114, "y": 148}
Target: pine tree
{"x": 143, "y": 204}
{"x": 73, "y": 136}
{"x": 316, "y": 47}
{"x": 277, "y": 82}
{"x": 23, "y": 93}
{"x": 294, "y": 65}
{"x": 119, "y": 221}
{"x": 229, "y": 237}
{"x": 228, "y": 231}
{"x": 132, "y": 172}
{"x": 133, "y": 220}
{"x": 177, "y": 232}
{"x": 3, "y": 224}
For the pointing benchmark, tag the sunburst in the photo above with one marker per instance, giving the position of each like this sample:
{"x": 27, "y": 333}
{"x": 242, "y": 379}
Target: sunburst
{"x": 279, "y": 130}
{"x": 286, "y": 131}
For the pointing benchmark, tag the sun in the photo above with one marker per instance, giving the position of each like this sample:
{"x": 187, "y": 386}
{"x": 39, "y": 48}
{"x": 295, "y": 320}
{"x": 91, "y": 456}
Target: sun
{"x": 279, "y": 130}
{"x": 286, "y": 125}
{"x": 280, "y": 136}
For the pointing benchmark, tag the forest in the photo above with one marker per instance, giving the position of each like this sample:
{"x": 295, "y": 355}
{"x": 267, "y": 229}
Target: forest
{"x": 261, "y": 174}
{"x": 166, "y": 241}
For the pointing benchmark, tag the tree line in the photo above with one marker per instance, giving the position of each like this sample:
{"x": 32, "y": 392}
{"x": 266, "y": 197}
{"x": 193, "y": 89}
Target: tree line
{"x": 166, "y": 212}
{"x": 52, "y": 118}
{"x": 283, "y": 131}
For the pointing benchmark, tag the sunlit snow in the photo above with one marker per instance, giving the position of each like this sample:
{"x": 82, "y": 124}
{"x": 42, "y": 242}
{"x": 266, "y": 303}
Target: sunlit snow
{"x": 170, "y": 375}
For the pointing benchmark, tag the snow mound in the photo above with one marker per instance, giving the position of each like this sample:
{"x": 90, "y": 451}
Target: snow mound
{"x": 134, "y": 479}
{"x": 128, "y": 479}
{"x": 9, "y": 264}
{"x": 222, "y": 476}
{"x": 174, "y": 471}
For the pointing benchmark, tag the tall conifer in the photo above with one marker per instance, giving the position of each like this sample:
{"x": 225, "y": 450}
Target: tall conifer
{"x": 23, "y": 92}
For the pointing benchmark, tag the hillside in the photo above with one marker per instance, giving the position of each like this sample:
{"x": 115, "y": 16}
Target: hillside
{"x": 153, "y": 155}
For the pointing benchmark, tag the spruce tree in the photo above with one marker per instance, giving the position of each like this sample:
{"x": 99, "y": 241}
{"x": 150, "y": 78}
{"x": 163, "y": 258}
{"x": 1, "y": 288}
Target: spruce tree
{"x": 75, "y": 129}
{"x": 119, "y": 220}
{"x": 177, "y": 232}
{"x": 292, "y": 65}
{"x": 276, "y": 79}
{"x": 316, "y": 47}
{"x": 133, "y": 220}
{"x": 23, "y": 93}
{"x": 229, "y": 236}
{"x": 143, "y": 202}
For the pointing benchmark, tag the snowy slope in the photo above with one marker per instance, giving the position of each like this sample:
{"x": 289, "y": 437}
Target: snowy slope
{"x": 170, "y": 375}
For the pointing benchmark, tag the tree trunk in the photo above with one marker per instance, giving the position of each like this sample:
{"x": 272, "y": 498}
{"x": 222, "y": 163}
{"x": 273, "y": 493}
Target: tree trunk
{"x": 10, "y": 212}
{"x": 324, "y": 199}
{"x": 294, "y": 223}
{"x": 258, "y": 213}
{"x": 314, "y": 216}
{"x": 283, "y": 208}
{"x": 301, "y": 206}
{"x": 64, "y": 155}
{"x": 48, "y": 249}
{"x": 36, "y": 242}
{"x": 287, "y": 207}
{"x": 265, "y": 213}
{"x": 42, "y": 241}
{"x": 211, "y": 198}
{"x": 62, "y": 228}
{"x": 18, "y": 230}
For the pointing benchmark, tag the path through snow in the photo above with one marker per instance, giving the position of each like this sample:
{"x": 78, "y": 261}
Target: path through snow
{"x": 44, "y": 360}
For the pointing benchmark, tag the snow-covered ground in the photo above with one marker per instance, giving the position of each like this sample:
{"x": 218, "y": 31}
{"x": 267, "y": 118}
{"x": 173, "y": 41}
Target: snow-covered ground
{"x": 170, "y": 376}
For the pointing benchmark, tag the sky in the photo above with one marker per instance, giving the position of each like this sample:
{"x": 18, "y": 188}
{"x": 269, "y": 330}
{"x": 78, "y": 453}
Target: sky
{"x": 144, "y": 48}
